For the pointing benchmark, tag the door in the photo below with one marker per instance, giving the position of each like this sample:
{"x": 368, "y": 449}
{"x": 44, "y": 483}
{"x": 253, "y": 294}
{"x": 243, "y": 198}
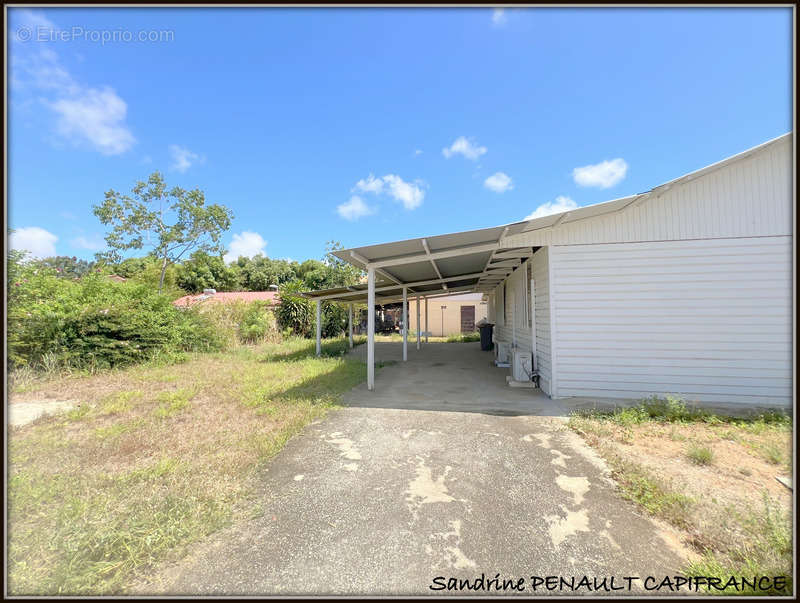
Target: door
{"x": 467, "y": 319}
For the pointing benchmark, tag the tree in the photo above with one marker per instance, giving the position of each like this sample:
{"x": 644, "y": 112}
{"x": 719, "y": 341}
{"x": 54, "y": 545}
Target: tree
{"x": 204, "y": 271}
{"x": 259, "y": 273}
{"x": 170, "y": 222}
{"x": 67, "y": 267}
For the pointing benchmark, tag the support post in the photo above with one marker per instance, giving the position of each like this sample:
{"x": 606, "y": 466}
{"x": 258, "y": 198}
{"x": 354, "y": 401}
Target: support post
{"x": 405, "y": 324}
{"x": 319, "y": 327}
{"x": 370, "y": 328}
{"x": 418, "y": 327}
{"x": 350, "y": 324}
{"x": 426, "y": 320}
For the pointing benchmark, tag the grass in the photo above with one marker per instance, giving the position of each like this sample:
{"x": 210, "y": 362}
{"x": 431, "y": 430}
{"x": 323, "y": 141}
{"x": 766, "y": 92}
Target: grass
{"x": 700, "y": 455}
{"x": 731, "y": 531}
{"x": 412, "y": 337}
{"x": 155, "y": 458}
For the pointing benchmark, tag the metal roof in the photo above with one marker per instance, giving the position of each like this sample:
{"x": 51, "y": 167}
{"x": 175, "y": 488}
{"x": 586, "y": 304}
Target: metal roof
{"x": 473, "y": 260}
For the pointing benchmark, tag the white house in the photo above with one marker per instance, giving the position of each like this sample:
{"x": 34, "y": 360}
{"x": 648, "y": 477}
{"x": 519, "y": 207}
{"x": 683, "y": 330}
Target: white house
{"x": 686, "y": 289}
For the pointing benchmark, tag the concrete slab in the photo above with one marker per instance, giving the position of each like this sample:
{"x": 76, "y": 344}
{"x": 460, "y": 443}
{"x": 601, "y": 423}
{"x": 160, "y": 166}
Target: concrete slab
{"x": 457, "y": 377}
{"x": 444, "y": 470}
{"x": 22, "y": 413}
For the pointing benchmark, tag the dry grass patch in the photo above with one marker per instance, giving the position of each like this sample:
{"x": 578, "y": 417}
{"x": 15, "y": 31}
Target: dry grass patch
{"x": 711, "y": 476}
{"x": 154, "y": 459}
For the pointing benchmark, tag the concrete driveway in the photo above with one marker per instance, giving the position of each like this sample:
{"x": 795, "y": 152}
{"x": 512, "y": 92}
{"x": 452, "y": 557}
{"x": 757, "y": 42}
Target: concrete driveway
{"x": 442, "y": 471}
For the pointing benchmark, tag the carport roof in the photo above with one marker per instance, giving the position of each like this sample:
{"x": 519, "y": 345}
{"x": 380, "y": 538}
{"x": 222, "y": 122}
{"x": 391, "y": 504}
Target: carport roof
{"x": 426, "y": 266}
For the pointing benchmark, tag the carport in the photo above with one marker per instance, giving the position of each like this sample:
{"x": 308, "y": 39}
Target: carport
{"x": 424, "y": 268}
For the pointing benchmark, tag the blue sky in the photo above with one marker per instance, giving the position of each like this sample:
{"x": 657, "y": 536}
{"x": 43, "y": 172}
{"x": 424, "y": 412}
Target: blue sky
{"x": 371, "y": 125}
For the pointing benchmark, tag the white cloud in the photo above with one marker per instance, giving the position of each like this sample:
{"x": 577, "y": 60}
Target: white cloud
{"x": 37, "y": 241}
{"x": 417, "y": 152}
{"x": 247, "y": 244}
{"x": 466, "y": 147}
{"x": 354, "y": 209}
{"x": 370, "y": 184}
{"x": 499, "y": 17}
{"x": 94, "y": 243}
{"x": 409, "y": 194}
{"x": 603, "y": 175}
{"x": 499, "y": 182}
{"x": 553, "y": 207}
{"x": 97, "y": 117}
{"x": 84, "y": 114}
{"x": 34, "y": 20}
{"x": 183, "y": 158}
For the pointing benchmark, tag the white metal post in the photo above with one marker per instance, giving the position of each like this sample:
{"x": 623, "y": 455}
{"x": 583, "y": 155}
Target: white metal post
{"x": 426, "y": 320}
{"x": 418, "y": 329}
{"x": 405, "y": 324}
{"x": 350, "y": 323}
{"x": 319, "y": 327}
{"x": 370, "y": 328}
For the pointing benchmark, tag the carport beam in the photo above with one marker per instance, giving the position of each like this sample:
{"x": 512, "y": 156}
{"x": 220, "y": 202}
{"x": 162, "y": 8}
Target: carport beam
{"x": 370, "y": 328}
{"x": 405, "y": 324}
{"x": 350, "y": 324}
{"x": 319, "y": 327}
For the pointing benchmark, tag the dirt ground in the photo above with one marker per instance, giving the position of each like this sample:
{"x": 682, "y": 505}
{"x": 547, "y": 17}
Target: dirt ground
{"x": 738, "y": 473}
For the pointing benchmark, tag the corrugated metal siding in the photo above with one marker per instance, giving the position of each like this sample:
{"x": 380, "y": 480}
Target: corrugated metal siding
{"x": 706, "y": 319}
{"x": 747, "y": 198}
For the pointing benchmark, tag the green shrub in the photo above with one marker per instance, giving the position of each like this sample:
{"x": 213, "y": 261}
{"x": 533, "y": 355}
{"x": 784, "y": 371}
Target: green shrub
{"x": 242, "y": 322}
{"x": 257, "y": 324}
{"x": 295, "y": 312}
{"x": 94, "y": 322}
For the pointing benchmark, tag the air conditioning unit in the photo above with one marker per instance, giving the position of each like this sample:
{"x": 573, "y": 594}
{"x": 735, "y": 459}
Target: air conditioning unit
{"x": 502, "y": 354}
{"x": 522, "y": 368}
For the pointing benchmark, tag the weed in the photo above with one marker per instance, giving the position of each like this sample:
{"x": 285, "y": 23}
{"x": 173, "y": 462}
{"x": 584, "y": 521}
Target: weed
{"x": 773, "y": 453}
{"x": 119, "y": 402}
{"x": 700, "y": 455}
{"x": 171, "y": 403}
{"x": 111, "y": 431}
{"x": 656, "y": 496}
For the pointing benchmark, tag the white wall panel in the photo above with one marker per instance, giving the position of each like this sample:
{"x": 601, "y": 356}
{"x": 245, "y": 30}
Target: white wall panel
{"x": 709, "y": 320}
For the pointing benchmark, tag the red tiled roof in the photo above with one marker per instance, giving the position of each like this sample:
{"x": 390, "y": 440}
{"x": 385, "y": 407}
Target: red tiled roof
{"x": 227, "y": 297}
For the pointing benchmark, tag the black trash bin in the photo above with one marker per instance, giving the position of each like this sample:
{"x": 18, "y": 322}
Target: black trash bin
{"x": 486, "y": 337}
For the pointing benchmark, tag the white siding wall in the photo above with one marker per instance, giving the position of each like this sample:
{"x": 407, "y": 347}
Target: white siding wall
{"x": 541, "y": 279}
{"x": 709, "y": 320}
{"x": 746, "y": 198}
{"x": 516, "y": 303}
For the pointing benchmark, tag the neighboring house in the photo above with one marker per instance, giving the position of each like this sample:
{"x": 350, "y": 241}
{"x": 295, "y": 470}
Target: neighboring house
{"x": 226, "y": 297}
{"x": 685, "y": 289}
{"x": 448, "y": 315}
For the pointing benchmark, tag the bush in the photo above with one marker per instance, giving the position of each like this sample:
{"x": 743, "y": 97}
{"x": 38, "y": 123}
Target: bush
{"x": 241, "y": 322}
{"x": 295, "y": 312}
{"x": 94, "y": 322}
{"x": 257, "y": 324}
